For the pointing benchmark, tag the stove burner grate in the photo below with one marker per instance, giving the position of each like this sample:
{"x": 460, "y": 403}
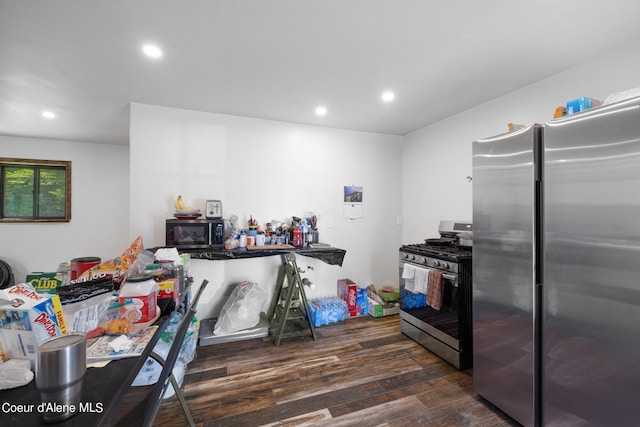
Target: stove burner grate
{"x": 449, "y": 251}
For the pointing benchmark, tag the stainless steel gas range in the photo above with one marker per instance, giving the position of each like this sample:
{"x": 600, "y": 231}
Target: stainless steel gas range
{"x": 443, "y": 328}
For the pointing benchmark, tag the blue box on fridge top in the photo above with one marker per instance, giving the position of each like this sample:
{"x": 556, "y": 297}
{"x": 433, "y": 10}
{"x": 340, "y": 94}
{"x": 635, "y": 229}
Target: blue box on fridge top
{"x": 581, "y": 104}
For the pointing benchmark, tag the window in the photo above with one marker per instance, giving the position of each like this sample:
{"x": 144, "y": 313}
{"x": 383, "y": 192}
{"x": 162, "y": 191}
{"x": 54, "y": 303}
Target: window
{"x": 35, "y": 190}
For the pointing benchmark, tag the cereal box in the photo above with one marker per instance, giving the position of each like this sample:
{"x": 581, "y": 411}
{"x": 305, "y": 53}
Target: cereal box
{"x": 44, "y": 283}
{"x": 27, "y": 318}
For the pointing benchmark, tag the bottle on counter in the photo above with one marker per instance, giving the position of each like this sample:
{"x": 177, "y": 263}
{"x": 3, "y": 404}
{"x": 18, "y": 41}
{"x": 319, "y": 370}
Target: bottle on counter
{"x": 305, "y": 236}
{"x": 297, "y": 237}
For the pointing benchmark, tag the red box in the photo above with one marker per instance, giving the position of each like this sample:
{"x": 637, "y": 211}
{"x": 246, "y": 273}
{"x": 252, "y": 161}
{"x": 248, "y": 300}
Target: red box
{"x": 348, "y": 291}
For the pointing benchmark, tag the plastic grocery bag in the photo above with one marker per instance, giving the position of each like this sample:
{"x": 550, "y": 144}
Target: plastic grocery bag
{"x": 150, "y": 371}
{"x": 242, "y": 309}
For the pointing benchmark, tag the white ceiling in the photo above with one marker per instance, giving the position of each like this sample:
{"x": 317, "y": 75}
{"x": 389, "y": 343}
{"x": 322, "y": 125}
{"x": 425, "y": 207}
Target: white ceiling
{"x": 279, "y": 59}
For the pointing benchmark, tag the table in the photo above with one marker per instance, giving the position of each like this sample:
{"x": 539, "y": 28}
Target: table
{"x": 326, "y": 254}
{"x": 107, "y": 395}
{"x": 101, "y": 390}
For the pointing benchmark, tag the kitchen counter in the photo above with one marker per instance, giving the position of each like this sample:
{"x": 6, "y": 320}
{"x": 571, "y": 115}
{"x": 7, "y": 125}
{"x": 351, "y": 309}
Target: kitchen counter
{"x": 326, "y": 254}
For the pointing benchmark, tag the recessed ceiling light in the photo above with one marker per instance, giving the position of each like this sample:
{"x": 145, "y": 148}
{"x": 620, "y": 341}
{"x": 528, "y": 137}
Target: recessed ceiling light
{"x": 321, "y": 111}
{"x": 152, "y": 51}
{"x": 48, "y": 115}
{"x": 388, "y": 96}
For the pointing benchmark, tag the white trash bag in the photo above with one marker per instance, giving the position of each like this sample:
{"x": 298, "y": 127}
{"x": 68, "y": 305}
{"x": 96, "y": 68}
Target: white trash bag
{"x": 242, "y": 309}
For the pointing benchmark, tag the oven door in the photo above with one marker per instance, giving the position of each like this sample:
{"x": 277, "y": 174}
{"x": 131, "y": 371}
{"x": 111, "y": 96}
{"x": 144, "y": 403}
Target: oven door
{"x": 442, "y": 324}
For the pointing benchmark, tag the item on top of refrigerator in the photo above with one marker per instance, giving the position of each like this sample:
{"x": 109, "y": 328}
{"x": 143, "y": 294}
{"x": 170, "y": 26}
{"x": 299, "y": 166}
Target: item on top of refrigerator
{"x": 560, "y": 111}
{"x": 514, "y": 127}
{"x": 581, "y": 104}
{"x": 621, "y": 96}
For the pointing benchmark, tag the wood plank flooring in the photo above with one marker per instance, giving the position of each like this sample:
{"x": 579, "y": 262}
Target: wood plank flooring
{"x": 363, "y": 371}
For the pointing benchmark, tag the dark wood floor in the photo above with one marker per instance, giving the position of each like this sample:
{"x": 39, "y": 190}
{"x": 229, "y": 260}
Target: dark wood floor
{"x": 363, "y": 371}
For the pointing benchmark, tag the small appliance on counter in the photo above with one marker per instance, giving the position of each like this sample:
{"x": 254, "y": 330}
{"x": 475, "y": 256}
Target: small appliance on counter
{"x": 195, "y": 233}
{"x": 213, "y": 209}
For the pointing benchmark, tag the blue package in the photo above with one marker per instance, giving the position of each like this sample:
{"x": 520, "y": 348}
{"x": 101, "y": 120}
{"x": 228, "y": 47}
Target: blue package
{"x": 578, "y": 105}
{"x": 410, "y": 300}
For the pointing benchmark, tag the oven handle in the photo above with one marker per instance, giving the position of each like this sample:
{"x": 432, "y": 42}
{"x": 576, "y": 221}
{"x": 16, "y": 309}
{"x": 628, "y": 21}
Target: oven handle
{"x": 452, "y": 277}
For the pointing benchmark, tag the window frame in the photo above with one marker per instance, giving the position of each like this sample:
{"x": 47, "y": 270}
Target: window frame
{"x": 13, "y": 162}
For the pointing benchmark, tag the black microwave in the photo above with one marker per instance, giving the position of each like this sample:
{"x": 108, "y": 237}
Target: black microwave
{"x": 195, "y": 233}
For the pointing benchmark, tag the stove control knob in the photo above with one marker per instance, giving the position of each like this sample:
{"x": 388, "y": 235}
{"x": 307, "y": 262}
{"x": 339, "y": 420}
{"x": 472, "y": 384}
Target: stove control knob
{"x": 422, "y": 260}
{"x": 436, "y": 263}
{"x": 405, "y": 256}
{"x": 412, "y": 257}
{"x": 445, "y": 265}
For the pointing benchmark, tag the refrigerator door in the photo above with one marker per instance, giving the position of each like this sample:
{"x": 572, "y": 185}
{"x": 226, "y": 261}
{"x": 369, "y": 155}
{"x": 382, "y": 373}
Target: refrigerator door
{"x": 504, "y": 217}
{"x": 592, "y": 268}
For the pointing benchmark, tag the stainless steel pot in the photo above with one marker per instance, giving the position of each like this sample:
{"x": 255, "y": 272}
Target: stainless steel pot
{"x": 465, "y": 239}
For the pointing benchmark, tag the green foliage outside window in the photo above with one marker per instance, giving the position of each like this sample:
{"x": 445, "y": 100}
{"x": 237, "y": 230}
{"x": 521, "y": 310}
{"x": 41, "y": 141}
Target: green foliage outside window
{"x": 35, "y": 190}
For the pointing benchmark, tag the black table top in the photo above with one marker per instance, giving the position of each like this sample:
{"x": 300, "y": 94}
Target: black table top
{"x": 326, "y": 254}
{"x": 102, "y": 391}
{"x": 98, "y": 388}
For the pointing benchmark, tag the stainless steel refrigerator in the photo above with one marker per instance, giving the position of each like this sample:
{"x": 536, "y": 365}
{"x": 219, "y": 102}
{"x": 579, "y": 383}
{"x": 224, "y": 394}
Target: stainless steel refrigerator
{"x": 556, "y": 260}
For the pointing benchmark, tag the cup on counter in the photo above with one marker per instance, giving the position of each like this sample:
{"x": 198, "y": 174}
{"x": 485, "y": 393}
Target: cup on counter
{"x": 80, "y": 265}
{"x": 251, "y": 240}
{"x": 260, "y": 240}
{"x": 61, "y": 363}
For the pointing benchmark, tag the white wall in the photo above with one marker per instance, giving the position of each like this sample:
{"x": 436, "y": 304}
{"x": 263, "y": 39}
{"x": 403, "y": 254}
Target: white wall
{"x": 271, "y": 170}
{"x": 99, "y": 207}
{"x": 275, "y": 170}
{"x": 437, "y": 158}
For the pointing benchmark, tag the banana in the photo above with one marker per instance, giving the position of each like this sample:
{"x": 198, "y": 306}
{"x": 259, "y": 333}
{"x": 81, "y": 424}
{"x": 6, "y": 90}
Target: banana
{"x": 179, "y": 205}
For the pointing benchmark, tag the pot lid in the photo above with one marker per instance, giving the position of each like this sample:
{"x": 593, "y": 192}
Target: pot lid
{"x": 6, "y": 276}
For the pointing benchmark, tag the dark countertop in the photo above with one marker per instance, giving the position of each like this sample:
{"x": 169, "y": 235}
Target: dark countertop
{"x": 326, "y": 254}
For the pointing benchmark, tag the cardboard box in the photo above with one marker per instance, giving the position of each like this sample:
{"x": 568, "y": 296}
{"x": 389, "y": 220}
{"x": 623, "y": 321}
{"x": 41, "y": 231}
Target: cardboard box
{"x": 44, "y": 283}
{"x": 348, "y": 291}
{"x": 26, "y": 319}
{"x": 169, "y": 289}
{"x": 380, "y": 310}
